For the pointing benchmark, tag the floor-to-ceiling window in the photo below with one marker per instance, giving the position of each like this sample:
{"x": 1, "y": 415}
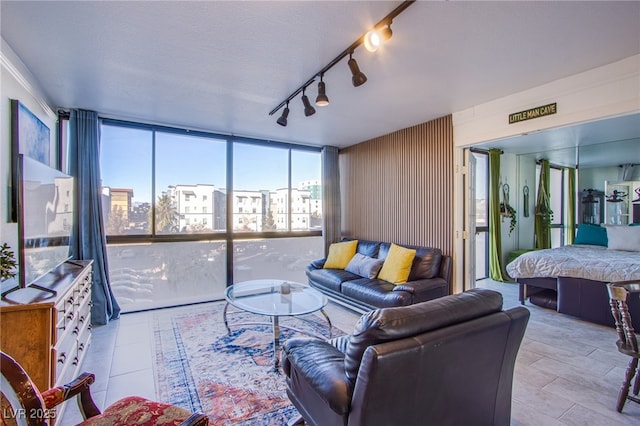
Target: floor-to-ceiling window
{"x": 187, "y": 213}
{"x": 276, "y": 192}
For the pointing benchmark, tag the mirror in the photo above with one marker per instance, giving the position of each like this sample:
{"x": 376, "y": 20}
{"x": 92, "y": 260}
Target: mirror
{"x": 611, "y": 172}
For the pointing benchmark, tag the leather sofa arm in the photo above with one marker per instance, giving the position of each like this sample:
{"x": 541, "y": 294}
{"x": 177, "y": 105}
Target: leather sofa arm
{"x": 425, "y": 289}
{"x": 403, "y": 287}
{"x": 316, "y": 264}
{"x": 320, "y": 365}
{"x": 446, "y": 269}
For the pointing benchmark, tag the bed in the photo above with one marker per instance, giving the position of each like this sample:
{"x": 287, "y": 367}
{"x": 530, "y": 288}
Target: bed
{"x": 572, "y": 279}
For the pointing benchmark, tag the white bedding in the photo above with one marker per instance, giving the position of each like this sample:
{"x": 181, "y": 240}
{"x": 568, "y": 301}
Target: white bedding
{"x": 579, "y": 261}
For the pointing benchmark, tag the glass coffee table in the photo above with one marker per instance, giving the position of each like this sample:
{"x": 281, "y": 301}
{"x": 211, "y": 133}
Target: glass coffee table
{"x": 275, "y": 298}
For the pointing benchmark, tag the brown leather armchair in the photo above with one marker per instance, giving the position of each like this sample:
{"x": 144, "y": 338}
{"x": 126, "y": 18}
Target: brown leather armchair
{"x": 448, "y": 361}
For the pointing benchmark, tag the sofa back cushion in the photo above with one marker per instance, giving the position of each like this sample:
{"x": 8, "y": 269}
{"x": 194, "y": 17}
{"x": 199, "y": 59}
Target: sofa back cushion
{"x": 386, "y": 324}
{"x": 426, "y": 263}
{"x": 368, "y": 248}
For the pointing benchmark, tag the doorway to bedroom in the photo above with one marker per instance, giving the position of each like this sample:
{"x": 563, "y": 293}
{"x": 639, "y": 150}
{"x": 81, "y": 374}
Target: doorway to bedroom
{"x": 599, "y": 152}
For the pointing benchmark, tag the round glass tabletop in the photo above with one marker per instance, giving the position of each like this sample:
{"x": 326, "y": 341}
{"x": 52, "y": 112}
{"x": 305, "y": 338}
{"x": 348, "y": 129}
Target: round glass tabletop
{"x": 275, "y": 297}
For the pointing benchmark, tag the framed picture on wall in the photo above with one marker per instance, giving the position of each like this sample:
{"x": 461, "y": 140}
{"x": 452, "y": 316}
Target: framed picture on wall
{"x": 30, "y": 137}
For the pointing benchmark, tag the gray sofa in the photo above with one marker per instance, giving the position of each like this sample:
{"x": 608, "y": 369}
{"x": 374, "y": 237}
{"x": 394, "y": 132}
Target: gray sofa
{"x": 430, "y": 278}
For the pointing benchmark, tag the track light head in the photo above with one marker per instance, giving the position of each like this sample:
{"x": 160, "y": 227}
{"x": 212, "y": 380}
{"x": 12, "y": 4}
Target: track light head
{"x": 386, "y": 33}
{"x": 308, "y": 109}
{"x": 358, "y": 78}
{"x": 322, "y": 99}
{"x": 282, "y": 120}
{"x": 373, "y": 39}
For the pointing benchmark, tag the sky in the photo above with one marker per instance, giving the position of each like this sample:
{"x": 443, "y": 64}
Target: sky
{"x": 126, "y": 162}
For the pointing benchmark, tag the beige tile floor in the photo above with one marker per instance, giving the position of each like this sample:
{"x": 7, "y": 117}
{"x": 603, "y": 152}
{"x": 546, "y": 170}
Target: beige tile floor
{"x": 568, "y": 371}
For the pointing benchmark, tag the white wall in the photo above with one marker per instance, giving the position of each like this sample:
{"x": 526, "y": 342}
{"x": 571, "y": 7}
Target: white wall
{"x": 16, "y": 82}
{"x": 509, "y": 175}
{"x": 606, "y": 91}
{"x": 526, "y": 173}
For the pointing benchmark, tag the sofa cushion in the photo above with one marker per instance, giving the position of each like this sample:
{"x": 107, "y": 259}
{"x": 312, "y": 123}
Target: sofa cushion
{"x": 330, "y": 278}
{"x": 426, "y": 264}
{"x": 365, "y": 266}
{"x": 340, "y": 254}
{"x": 366, "y": 247}
{"x": 385, "y": 324}
{"x": 397, "y": 264}
{"x": 376, "y": 292}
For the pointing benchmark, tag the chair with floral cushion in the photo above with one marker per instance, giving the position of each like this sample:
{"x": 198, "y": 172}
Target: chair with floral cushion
{"x": 23, "y": 404}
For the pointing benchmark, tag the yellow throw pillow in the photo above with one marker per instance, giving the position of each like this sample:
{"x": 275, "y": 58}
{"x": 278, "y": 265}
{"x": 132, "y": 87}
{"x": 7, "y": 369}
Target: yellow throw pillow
{"x": 340, "y": 254}
{"x": 397, "y": 265}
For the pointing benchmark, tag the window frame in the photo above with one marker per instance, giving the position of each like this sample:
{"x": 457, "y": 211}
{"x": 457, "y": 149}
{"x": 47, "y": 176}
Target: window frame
{"x": 229, "y": 235}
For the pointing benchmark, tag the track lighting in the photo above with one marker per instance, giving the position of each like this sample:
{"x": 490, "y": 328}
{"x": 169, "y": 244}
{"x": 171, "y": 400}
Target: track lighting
{"x": 358, "y": 78}
{"x": 371, "y": 40}
{"x": 308, "y": 109}
{"x": 282, "y": 120}
{"x": 322, "y": 99}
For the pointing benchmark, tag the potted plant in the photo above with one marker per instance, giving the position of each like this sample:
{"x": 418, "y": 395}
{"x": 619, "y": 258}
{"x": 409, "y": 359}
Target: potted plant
{"x": 507, "y": 211}
{"x": 7, "y": 262}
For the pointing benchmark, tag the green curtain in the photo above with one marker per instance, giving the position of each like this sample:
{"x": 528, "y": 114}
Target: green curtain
{"x": 571, "y": 205}
{"x": 542, "y": 221}
{"x": 495, "y": 235}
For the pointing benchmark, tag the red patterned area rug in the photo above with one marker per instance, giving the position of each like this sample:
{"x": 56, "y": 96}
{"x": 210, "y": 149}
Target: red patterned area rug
{"x": 229, "y": 377}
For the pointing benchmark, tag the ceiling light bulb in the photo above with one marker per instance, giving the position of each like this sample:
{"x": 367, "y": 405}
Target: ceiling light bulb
{"x": 308, "y": 109}
{"x": 282, "y": 120}
{"x": 372, "y": 40}
{"x": 322, "y": 99}
{"x": 358, "y": 78}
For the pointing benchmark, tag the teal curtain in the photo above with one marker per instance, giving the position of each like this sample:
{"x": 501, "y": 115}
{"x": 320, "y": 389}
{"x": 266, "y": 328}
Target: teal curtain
{"x": 571, "y": 205}
{"x": 331, "y": 214}
{"x": 88, "y": 241}
{"x": 495, "y": 234}
{"x": 542, "y": 220}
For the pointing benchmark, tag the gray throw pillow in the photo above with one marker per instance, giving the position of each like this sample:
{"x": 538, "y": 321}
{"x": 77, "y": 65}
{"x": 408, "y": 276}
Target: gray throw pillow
{"x": 364, "y": 266}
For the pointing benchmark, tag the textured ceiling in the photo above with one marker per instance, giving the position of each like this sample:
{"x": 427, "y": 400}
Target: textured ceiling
{"x": 222, "y": 66}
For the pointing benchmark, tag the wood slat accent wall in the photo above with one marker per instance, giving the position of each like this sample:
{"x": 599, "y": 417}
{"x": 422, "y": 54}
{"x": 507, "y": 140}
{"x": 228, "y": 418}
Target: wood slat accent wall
{"x": 399, "y": 187}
